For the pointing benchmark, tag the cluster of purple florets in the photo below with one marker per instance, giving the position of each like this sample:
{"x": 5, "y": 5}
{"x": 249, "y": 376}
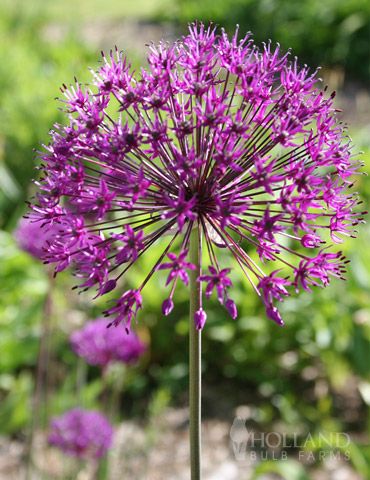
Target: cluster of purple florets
{"x": 33, "y": 238}
{"x": 100, "y": 345}
{"x": 215, "y": 134}
{"x": 81, "y": 433}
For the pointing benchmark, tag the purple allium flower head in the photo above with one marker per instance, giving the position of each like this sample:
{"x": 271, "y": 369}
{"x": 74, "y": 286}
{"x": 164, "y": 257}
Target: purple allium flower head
{"x": 215, "y": 133}
{"x": 81, "y": 433}
{"x": 100, "y": 345}
{"x": 34, "y": 238}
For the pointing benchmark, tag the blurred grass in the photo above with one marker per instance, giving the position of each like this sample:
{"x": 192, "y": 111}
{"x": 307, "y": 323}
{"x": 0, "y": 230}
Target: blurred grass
{"x": 70, "y": 11}
{"x": 102, "y": 9}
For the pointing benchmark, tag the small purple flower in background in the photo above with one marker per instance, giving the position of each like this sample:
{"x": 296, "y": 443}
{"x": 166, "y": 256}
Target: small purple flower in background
{"x": 33, "y": 238}
{"x": 81, "y": 433}
{"x": 215, "y": 134}
{"x": 100, "y": 345}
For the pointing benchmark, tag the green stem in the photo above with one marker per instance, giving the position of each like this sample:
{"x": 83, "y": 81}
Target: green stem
{"x": 40, "y": 395}
{"x": 195, "y": 359}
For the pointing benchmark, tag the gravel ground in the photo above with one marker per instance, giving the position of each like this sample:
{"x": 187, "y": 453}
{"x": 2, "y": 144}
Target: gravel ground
{"x": 159, "y": 451}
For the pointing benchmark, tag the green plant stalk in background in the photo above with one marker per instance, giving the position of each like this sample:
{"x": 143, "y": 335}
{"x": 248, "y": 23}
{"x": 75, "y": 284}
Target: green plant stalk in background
{"x": 195, "y": 359}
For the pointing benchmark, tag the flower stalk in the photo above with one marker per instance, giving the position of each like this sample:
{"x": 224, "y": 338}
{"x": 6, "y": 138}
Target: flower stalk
{"x": 195, "y": 337}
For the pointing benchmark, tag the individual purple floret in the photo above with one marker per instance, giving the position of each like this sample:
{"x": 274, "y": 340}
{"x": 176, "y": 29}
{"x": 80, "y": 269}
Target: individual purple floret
{"x": 216, "y": 134}
{"x": 33, "y": 238}
{"x": 81, "y": 433}
{"x": 100, "y": 345}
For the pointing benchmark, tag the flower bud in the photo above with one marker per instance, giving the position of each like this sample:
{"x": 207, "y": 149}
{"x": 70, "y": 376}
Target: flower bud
{"x": 167, "y": 306}
{"x": 200, "y": 318}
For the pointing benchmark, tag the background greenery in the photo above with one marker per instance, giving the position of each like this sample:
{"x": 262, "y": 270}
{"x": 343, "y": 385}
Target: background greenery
{"x": 311, "y": 376}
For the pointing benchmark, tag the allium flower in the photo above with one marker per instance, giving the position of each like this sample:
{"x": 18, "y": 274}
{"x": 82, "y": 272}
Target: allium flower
{"x": 100, "y": 345}
{"x": 81, "y": 433}
{"x": 34, "y": 238}
{"x": 215, "y": 134}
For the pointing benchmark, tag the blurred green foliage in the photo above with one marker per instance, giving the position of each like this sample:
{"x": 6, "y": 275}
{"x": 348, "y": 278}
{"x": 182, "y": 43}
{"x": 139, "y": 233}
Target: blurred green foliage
{"x": 334, "y": 33}
{"x": 312, "y": 375}
{"x": 31, "y": 72}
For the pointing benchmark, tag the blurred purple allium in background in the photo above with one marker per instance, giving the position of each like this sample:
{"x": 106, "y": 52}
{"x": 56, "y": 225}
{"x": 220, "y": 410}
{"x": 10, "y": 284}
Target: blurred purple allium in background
{"x": 100, "y": 345}
{"x": 215, "y": 134}
{"x": 33, "y": 238}
{"x": 81, "y": 433}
